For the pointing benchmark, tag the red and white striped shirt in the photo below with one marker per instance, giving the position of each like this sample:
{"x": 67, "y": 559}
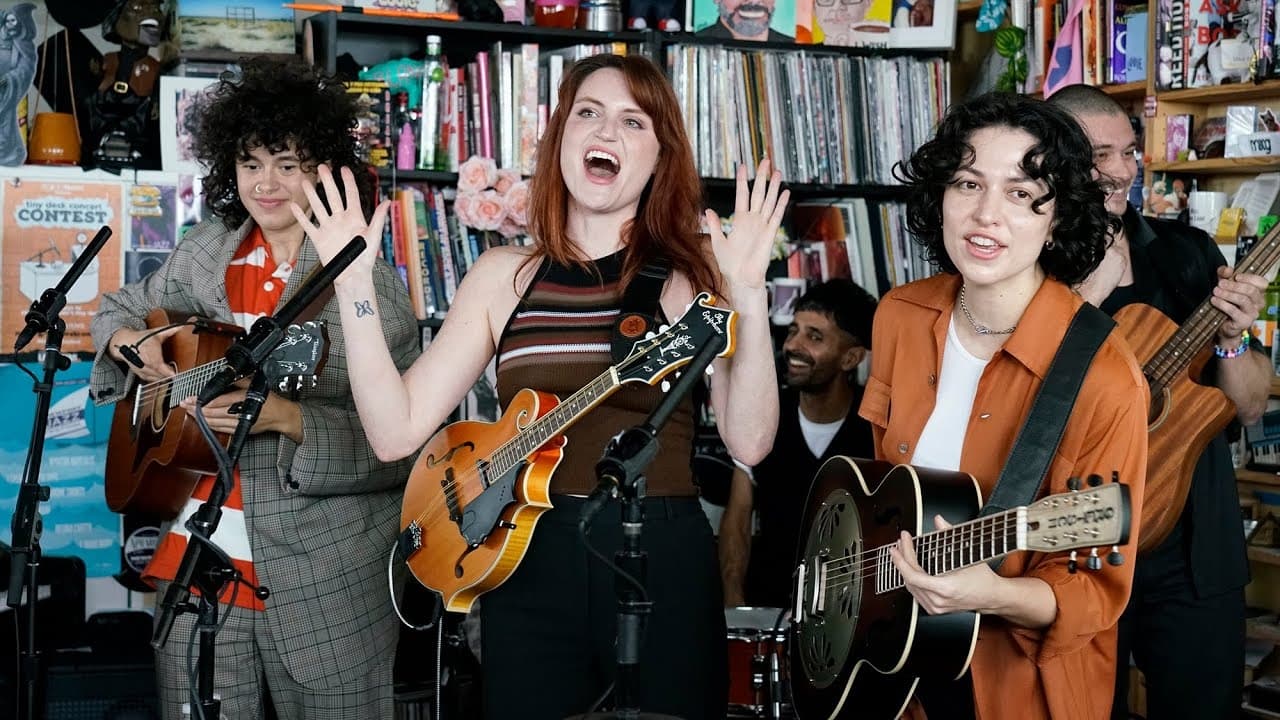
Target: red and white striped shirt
{"x": 255, "y": 284}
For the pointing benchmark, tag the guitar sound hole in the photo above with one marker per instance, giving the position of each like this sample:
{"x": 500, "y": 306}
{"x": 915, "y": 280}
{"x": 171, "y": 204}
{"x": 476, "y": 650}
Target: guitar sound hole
{"x": 156, "y": 405}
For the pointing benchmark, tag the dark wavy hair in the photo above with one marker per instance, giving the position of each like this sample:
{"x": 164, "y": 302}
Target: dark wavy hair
{"x": 272, "y": 103}
{"x": 1061, "y": 157}
{"x": 666, "y": 224}
{"x": 846, "y": 303}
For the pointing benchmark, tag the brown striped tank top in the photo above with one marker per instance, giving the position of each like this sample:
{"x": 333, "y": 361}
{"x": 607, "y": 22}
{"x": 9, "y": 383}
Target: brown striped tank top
{"x": 557, "y": 340}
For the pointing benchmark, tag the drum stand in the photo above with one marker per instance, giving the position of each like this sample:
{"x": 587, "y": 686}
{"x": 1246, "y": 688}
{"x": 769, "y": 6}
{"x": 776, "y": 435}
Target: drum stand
{"x": 621, "y": 474}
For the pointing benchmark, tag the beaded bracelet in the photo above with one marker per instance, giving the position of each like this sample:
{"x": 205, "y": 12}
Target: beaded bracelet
{"x": 1228, "y": 353}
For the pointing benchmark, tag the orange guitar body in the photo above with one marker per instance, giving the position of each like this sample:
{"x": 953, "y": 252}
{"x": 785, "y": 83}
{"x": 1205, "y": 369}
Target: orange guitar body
{"x": 1183, "y": 418}
{"x": 154, "y": 464}
{"x": 445, "y": 481}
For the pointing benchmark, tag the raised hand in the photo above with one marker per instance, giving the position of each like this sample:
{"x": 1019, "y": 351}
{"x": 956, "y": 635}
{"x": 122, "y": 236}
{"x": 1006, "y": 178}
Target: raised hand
{"x": 332, "y": 229}
{"x": 744, "y": 255}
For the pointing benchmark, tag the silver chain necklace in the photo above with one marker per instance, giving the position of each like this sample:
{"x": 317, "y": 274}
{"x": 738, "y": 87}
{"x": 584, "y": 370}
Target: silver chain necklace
{"x": 977, "y": 326}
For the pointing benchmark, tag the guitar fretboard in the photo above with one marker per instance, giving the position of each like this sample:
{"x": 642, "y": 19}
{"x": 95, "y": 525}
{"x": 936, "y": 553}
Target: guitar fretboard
{"x": 550, "y": 425}
{"x": 1183, "y": 346}
{"x": 960, "y": 546}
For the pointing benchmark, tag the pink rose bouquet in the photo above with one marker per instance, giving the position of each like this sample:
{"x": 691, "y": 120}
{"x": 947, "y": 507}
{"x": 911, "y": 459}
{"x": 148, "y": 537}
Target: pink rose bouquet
{"x": 492, "y": 199}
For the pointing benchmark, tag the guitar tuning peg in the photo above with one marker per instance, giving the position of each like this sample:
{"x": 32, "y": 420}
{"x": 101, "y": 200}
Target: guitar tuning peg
{"x": 1071, "y": 563}
{"x": 649, "y": 335}
{"x": 666, "y": 386}
{"x": 1114, "y": 558}
{"x": 1073, "y": 484}
{"x": 663, "y": 328}
{"x": 1095, "y": 480}
{"x": 1094, "y": 562}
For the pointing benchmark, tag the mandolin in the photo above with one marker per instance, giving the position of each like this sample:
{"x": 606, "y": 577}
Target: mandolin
{"x": 156, "y": 453}
{"x": 478, "y": 488}
{"x": 859, "y": 641}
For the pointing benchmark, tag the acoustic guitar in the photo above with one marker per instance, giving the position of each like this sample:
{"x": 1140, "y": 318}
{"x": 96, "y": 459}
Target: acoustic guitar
{"x": 478, "y": 488}
{"x": 1184, "y": 415}
{"x": 156, "y": 453}
{"x": 859, "y": 641}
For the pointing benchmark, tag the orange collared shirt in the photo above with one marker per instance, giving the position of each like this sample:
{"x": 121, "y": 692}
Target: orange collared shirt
{"x": 1066, "y": 670}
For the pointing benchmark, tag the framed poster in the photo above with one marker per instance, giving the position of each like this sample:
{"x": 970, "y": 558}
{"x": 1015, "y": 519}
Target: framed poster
{"x": 180, "y": 107}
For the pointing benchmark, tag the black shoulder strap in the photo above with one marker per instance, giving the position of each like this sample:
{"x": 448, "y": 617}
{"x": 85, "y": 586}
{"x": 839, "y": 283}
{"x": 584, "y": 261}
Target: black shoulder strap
{"x": 1041, "y": 432}
{"x": 641, "y": 308}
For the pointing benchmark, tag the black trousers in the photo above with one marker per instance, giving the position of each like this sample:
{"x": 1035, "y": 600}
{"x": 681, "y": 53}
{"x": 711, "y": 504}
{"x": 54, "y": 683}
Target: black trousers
{"x": 548, "y": 633}
{"x": 1191, "y": 649}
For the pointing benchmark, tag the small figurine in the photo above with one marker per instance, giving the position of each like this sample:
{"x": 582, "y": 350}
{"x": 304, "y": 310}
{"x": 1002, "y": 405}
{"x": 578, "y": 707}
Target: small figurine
{"x": 17, "y": 69}
{"x": 661, "y": 13}
{"x": 123, "y": 114}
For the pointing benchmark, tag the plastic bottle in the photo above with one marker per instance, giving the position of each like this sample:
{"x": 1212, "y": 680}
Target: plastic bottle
{"x": 406, "y": 143}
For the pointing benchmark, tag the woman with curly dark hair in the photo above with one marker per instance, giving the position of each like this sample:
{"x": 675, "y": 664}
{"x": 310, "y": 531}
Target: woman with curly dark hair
{"x": 308, "y": 482}
{"x": 1004, "y": 202}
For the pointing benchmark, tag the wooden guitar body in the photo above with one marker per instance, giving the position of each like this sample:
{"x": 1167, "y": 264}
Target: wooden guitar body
{"x": 862, "y": 654}
{"x": 156, "y": 453}
{"x": 449, "y": 499}
{"x": 1184, "y": 417}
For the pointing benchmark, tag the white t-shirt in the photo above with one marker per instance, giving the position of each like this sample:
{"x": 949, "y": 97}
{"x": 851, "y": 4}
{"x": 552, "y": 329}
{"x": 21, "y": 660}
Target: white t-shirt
{"x": 817, "y": 435}
{"x": 942, "y": 440}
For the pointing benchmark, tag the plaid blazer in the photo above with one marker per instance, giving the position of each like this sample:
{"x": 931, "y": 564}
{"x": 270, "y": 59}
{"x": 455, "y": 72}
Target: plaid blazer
{"x": 321, "y": 515}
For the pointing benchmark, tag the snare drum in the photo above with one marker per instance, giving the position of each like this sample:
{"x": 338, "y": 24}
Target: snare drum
{"x": 751, "y": 641}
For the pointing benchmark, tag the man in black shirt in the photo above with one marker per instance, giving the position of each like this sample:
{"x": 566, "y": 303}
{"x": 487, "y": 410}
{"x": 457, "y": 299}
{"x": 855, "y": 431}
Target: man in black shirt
{"x": 818, "y": 418}
{"x": 1185, "y": 621}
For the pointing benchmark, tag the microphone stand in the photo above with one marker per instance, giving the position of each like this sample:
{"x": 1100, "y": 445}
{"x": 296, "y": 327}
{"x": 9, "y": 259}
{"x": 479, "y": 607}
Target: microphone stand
{"x": 27, "y": 525}
{"x": 204, "y": 565}
{"x": 621, "y": 475}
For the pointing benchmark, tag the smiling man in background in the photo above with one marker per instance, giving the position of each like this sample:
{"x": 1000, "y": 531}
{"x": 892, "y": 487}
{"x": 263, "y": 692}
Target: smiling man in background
{"x": 744, "y": 20}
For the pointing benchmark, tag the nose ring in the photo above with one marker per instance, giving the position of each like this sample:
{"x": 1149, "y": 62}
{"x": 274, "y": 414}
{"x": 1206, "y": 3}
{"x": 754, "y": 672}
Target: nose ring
{"x": 257, "y": 188}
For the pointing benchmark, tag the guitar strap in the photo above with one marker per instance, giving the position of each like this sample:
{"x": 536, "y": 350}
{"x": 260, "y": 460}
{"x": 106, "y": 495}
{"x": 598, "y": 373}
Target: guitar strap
{"x": 640, "y": 309}
{"x": 1041, "y": 432}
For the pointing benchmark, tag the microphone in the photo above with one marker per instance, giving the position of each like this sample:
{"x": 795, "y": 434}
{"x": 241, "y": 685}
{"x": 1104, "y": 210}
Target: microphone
{"x": 45, "y": 310}
{"x": 247, "y": 354}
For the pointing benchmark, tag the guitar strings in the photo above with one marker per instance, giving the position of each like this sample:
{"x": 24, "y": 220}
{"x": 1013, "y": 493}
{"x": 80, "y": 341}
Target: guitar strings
{"x": 510, "y": 455}
{"x": 926, "y": 547}
{"x": 200, "y": 373}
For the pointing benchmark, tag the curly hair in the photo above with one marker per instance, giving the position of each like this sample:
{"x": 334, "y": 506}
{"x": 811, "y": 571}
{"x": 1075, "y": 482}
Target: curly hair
{"x": 272, "y": 104}
{"x": 666, "y": 222}
{"x": 1061, "y": 157}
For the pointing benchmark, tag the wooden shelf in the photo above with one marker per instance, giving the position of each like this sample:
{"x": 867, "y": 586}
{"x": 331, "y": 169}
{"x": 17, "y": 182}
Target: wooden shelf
{"x": 968, "y": 9}
{"x": 1126, "y": 91}
{"x": 1275, "y": 386}
{"x": 1244, "y": 165}
{"x": 1257, "y": 477}
{"x": 1222, "y": 93}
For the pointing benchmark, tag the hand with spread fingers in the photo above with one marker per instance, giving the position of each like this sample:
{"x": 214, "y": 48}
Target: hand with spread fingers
{"x": 330, "y": 230}
{"x": 744, "y": 255}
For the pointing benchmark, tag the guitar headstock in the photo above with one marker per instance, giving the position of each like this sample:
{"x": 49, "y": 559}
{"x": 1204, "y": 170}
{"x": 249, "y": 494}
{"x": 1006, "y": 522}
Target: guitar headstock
{"x": 299, "y": 357}
{"x": 674, "y": 346}
{"x": 1095, "y": 516}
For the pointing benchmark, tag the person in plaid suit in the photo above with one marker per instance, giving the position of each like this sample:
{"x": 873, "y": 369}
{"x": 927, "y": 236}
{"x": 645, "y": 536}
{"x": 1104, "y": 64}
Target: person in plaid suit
{"x": 318, "y": 510}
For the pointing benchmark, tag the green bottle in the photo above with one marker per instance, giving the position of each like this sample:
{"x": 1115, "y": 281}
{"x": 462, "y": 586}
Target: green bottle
{"x": 430, "y": 155}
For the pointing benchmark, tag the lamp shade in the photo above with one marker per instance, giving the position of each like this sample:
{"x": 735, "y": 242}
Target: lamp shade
{"x": 55, "y": 140}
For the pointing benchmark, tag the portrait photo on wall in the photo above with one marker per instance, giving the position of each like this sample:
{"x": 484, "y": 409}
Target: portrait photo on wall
{"x": 180, "y": 99}
{"x": 763, "y": 20}
{"x": 886, "y": 23}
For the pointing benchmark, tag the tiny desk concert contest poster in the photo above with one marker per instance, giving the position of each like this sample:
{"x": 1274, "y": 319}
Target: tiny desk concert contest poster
{"x": 46, "y": 225}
